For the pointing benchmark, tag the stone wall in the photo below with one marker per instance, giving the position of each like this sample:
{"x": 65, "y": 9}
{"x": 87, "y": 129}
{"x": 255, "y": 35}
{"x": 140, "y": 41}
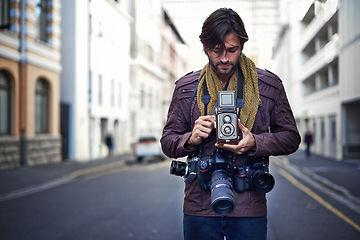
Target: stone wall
{"x": 29, "y": 151}
{"x": 9, "y": 152}
{"x": 42, "y": 149}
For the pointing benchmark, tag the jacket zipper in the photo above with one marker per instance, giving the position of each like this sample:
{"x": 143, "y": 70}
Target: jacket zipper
{"x": 187, "y": 90}
{"x": 261, "y": 111}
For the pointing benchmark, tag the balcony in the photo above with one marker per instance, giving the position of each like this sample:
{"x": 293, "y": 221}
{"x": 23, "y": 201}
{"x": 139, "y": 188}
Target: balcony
{"x": 320, "y": 59}
{"x": 320, "y": 16}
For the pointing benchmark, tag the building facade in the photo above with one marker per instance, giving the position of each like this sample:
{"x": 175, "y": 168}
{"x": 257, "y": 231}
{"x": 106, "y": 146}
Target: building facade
{"x": 29, "y": 82}
{"x": 174, "y": 60}
{"x": 319, "y": 45}
{"x": 95, "y": 77}
{"x": 146, "y": 77}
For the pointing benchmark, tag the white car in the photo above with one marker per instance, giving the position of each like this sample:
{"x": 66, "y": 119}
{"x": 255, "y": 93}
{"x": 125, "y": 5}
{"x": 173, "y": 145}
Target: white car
{"x": 148, "y": 146}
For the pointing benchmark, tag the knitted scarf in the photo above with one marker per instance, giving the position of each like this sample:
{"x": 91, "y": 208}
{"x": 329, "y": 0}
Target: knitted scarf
{"x": 251, "y": 91}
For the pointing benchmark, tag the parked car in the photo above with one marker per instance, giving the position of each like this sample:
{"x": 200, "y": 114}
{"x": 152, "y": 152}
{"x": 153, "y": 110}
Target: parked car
{"x": 148, "y": 146}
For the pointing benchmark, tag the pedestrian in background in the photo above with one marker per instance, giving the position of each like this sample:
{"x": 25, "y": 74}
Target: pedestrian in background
{"x": 266, "y": 124}
{"x": 109, "y": 144}
{"x": 308, "y": 141}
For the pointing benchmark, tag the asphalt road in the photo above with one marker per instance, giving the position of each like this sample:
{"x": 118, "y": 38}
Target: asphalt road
{"x": 144, "y": 202}
{"x": 297, "y": 210}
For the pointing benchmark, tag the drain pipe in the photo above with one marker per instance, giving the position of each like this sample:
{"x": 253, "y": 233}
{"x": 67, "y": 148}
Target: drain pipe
{"x": 23, "y": 83}
{"x": 90, "y": 81}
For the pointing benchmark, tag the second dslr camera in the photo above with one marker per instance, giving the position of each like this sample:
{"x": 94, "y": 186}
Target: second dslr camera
{"x": 226, "y": 118}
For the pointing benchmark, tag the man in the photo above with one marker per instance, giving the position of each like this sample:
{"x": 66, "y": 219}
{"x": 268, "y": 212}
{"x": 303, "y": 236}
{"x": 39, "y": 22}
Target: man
{"x": 109, "y": 144}
{"x": 266, "y": 124}
{"x": 308, "y": 142}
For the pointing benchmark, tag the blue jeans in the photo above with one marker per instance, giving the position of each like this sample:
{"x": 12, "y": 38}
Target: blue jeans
{"x": 215, "y": 228}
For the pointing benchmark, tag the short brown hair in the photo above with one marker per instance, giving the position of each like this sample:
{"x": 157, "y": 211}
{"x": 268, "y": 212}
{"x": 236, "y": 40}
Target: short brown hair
{"x": 220, "y": 23}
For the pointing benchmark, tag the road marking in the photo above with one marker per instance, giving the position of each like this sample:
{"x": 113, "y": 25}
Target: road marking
{"x": 86, "y": 173}
{"x": 317, "y": 198}
{"x": 35, "y": 189}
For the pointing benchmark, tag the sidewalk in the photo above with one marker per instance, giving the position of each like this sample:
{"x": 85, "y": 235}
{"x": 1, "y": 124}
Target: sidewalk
{"x": 25, "y": 180}
{"x": 340, "y": 178}
{"x": 345, "y": 173}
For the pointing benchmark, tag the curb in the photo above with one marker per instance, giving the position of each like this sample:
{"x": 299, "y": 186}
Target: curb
{"x": 62, "y": 180}
{"x": 97, "y": 170}
{"x": 337, "y": 192}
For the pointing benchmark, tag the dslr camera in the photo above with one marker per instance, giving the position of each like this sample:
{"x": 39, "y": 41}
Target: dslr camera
{"x": 215, "y": 173}
{"x": 226, "y": 118}
{"x": 187, "y": 170}
{"x": 253, "y": 176}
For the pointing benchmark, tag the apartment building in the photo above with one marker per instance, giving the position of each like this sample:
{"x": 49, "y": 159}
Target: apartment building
{"x": 174, "y": 61}
{"x": 30, "y": 82}
{"x": 316, "y": 55}
{"x": 113, "y": 74}
{"x": 146, "y": 75}
{"x": 95, "y": 77}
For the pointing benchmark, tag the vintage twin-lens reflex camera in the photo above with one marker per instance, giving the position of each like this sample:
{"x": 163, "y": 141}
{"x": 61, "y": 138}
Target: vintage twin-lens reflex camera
{"x": 226, "y": 118}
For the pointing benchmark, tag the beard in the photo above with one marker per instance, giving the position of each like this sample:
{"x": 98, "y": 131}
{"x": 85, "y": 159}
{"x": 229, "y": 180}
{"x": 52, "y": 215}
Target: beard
{"x": 224, "y": 69}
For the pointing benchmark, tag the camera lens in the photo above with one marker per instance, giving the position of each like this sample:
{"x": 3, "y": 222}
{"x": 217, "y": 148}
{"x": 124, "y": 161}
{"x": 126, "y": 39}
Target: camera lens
{"x": 178, "y": 168}
{"x": 227, "y": 130}
{"x": 263, "y": 181}
{"x": 227, "y": 119}
{"x": 222, "y": 195}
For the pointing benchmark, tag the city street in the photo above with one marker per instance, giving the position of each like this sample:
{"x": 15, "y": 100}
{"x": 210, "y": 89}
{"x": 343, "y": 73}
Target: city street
{"x": 143, "y": 201}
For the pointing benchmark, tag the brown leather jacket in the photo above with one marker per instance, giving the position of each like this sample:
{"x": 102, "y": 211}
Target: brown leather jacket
{"x": 274, "y": 130}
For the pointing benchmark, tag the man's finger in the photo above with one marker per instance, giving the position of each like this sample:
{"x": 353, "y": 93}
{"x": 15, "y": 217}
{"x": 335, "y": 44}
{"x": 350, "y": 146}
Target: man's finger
{"x": 241, "y": 126}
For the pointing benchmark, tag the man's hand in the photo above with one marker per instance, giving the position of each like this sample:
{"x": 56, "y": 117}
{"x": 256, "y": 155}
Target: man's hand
{"x": 246, "y": 143}
{"x": 202, "y": 129}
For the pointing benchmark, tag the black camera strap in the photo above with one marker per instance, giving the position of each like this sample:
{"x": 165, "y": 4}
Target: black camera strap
{"x": 240, "y": 101}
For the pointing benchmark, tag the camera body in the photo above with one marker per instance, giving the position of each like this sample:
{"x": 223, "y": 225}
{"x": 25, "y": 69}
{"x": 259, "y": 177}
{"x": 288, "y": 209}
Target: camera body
{"x": 254, "y": 176}
{"x": 215, "y": 173}
{"x": 226, "y": 118}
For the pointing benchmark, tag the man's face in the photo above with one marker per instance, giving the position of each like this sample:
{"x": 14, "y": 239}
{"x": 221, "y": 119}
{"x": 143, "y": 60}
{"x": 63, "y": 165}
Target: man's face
{"x": 224, "y": 61}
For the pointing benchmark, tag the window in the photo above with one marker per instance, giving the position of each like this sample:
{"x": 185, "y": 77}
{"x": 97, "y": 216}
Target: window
{"x": 41, "y": 23}
{"x": 5, "y": 90}
{"x": 150, "y": 98}
{"x": 322, "y": 129}
{"x": 333, "y": 129}
{"x": 142, "y": 97}
{"x": 41, "y": 106}
{"x": 4, "y": 14}
{"x": 112, "y": 97}
{"x": 100, "y": 90}
{"x": 119, "y": 95}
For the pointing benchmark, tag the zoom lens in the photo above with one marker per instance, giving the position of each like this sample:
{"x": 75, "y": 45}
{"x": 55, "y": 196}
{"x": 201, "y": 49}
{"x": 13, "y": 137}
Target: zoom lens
{"x": 222, "y": 195}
